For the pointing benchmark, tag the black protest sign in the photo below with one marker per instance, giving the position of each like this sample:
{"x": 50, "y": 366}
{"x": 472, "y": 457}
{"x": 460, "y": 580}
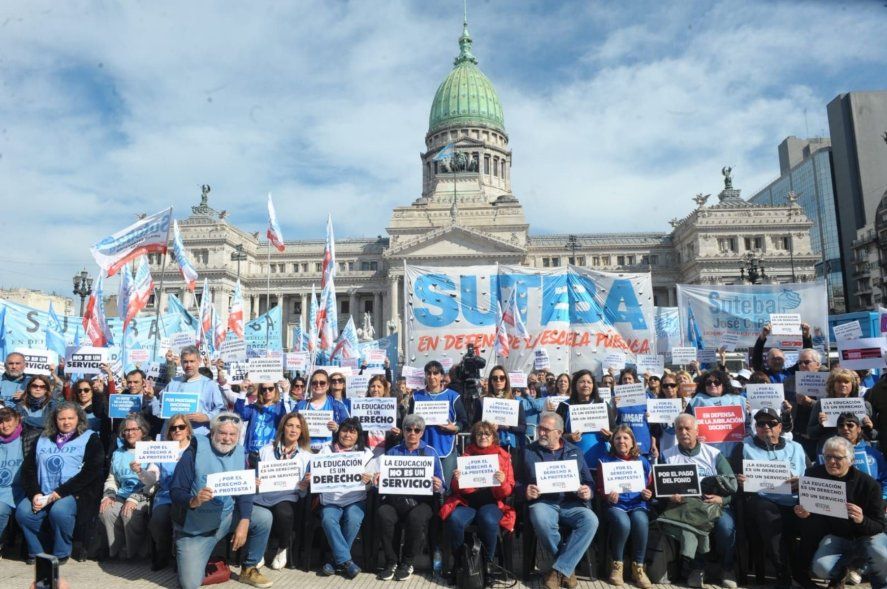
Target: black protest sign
{"x": 676, "y": 479}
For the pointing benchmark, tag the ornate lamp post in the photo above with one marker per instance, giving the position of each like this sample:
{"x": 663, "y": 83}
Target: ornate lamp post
{"x": 238, "y": 255}
{"x": 751, "y": 268}
{"x": 793, "y": 203}
{"x": 82, "y": 287}
{"x": 572, "y": 245}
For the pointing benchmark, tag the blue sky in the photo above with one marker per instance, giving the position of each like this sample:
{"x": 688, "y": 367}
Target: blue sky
{"x": 111, "y": 109}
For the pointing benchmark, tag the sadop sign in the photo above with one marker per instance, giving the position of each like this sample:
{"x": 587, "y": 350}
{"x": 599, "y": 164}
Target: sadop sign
{"x": 576, "y": 315}
{"x": 708, "y": 312}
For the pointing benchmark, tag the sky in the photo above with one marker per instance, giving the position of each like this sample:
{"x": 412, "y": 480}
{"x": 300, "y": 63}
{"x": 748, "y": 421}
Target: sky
{"x": 618, "y": 112}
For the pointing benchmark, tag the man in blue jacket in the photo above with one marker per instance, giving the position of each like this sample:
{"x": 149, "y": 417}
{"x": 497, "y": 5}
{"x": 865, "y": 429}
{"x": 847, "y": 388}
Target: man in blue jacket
{"x": 549, "y": 511}
{"x": 13, "y": 381}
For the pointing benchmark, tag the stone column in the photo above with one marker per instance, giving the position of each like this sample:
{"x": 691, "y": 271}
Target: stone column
{"x": 352, "y": 308}
{"x": 393, "y": 297}
{"x": 378, "y": 324}
{"x": 284, "y": 319}
{"x": 306, "y": 306}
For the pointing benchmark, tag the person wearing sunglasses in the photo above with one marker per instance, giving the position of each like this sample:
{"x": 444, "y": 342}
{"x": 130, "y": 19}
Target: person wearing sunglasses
{"x": 841, "y": 384}
{"x": 486, "y": 507}
{"x": 774, "y": 365}
{"x": 210, "y": 399}
{"x": 635, "y": 417}
{"x": 14, "y": 381}
{"x": 202, "y": 519}
{"x": 11, "y": 457}
{"x": 663, "y": 433}
{"x": 594, "y": 445}
{"x": 298, "y": 386}
{"x": 35, "y": 404}
{"x": 829, "y": 545}
{"x": 160, "y": 525}
{"x": 715, "y": 389}
{"x": 337, "y": 386}
{"x": 262, "y": 418}
{"x": 442, "y": 437}
{"x": 320, "y": 399}
{"x": 775, "y": 526}
{"x": 511, "y": 438}
{"x": 412, "y": 512}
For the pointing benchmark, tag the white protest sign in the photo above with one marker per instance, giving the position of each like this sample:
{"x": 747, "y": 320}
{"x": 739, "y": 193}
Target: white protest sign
{"x": 623, "y": 476}
{"x": 589, "y": 417}
{"x": 630, "y": 395}
{"x": 375, "y": 413}
{"x": 233, "y": 350}
{"x": 279, "y": 475}
{"x": 769, "y": 476}
{"x": 811, "y": 384}
{"x": 683, "y": 355}
{"x": 861, "y": 354}
{"x": 350, "y": 363}
{"x": 477, "y": 471}
{"x": 552, "y": 401}
{"x": 235, "y": 482}
{"x": 446, "y": 363}
{"x": 356, "y": 385}
{"x": 375, "y": 355}
{"x": 297, "y": 361}
{"x": 337, "y": 473}
{"x": 265, "y": 369}
{"x": 664, "y": 410}
{"x": 823, "y": 496}
{"x": 177, "y": 341}
{"x": 765, "y": 396}
{"x": 518, "y": 380}
{"x": 501, "y": 411}
{"x": 38, "y": 361}
{"x": 614, "y": 360}
{"x": 728, "y": 341}
{"x": 560, "y": 476}
{"x": 785, "y": 324}
{"x": 317, "y": 421}
{"x": 707, "y": 356}
{"x": 415, "y": 377}
{"x": 135, "y": 356}
{"x": 847, "y": 331}
{"x": 86, "y": 360}
{"x": 406, "y": 475}
{"x": 833, "y": 407}
{"x": 156, "y": 452}
{"x": 237, "y": 372}
{"x": 540, "y": 359}
{"x": 433, "y": 412}
{"x": 652, "y": 363}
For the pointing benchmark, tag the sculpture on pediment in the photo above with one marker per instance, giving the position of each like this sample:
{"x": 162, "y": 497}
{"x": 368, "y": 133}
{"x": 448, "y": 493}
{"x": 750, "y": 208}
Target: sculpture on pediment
{"x": 459, "y": 162}
{"x": 700, "y": 199}
{"x": 204, "y": 195}
{"x": 727, "y": 172}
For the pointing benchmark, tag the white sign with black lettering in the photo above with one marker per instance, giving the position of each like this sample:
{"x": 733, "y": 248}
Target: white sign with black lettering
{"x": 375, "y": 413}
{"x": 728, "y": 341}
{"x": 406, "y": 475}
{"x": 664, "y": 410}
{"x": 38, "y": 361}
{"x": 769, "y": 476}
{"x": 279, "y": 475}
{"x": 156, "y": 452}
{"x": 265, "y": 369}
{"x": 652, "y": 363}
{"x": 846, "y": 331}
{"x": 785, "y": 324}
{"x": 541, "y": 360}
{"x": 86, "y": 360}
{"x": 477, "y": 471}
{"x": 811, "y": 384}
{"x": 233, "y": 350}
{"x": 630, "y": 395}
{"x": 683, "y": 355}
{"x": 235, "y": 482}
{"x": 501, "y": 411}
{"x": 615, "y": 360}
{"x": 624, "y": 476}
{"x": 356, "y": 385}
{"x": 833, "y": 407}
{"x": 297, "y": 361}
{"x": 318, "y": 422}
{"x": 414, "y": 376}
{"x": 560, "y": 476}
{"x": 518, "y": 380}
{"x": 177, "y": 341}
{"x": 337, "y": 473}
{"x": 765, "y": 396}
{"x": 433, "y": 412}
{"x": 823, "y": 496}
{"x": 589, "y": 417}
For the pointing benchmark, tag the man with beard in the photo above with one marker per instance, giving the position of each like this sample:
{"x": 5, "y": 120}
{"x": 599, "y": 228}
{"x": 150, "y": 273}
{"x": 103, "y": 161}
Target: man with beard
{"x": 202, "y": 520}
{"x": 13, "y": 382}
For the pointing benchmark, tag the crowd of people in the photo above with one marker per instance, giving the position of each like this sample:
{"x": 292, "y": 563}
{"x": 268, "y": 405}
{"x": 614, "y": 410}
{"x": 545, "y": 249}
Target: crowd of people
{"x": 70, "y": 481}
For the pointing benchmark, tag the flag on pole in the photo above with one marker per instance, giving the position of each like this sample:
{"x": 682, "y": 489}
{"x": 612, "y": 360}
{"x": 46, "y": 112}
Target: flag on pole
{"x": 3, "y": 332}
{"x": 124, "y": 290}
{"x": 329, "y": 254}
{"x": 94, "y": 323}
{"x": 147, "y": 235}
{"x": 140, "y": 293}
{"x": 500, "y": 345}
{"x": 693, "y": 334}
{"x": 55, "y": 341}
{"x": 181, "y": 256}
{"x": 235, "y": 313}
{"x": 273, "y": 233}
{"x": 347, "y": 345}
{"x": 446, "y": 152}
{"x": 205, "y": 331}
{"x": 186, "y": 319}
{"x": 514, "y": 324}
{"x": 328, "y": 317}
{"x": 220, "y": 329}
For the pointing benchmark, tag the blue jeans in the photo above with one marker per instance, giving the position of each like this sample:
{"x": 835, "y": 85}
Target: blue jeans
{"x": 5, "y": 513}
{"x": 487, "y": 519}
{"x": 61, "y": 516}
{"x": 582, "y": 522}
{"x": 193, "y": 551}
{"x": 341, "y": 524}
{"x": 724, "y": 537}
{"x": 834, "y": 549}
{"x": 621, "y": 524}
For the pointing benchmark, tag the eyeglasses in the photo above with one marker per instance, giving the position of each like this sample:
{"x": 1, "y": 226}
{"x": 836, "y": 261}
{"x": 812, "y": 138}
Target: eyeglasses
{"x": 808, "y": 362}
{"x": 432, "y": 372}
{"x": 834, "y": 458}
{"x": 318, "y": 383}
{"x": 231, "y": 418}
{"x": 544, "y": 430}
{"x": 713, "y": 383}
{"x": 35, "y": 385}
{"x": 767, "y": 424}
{"x": 669, "y": 385}
{"x": 178, "y": 428}
{"x": 347, "y": 430}
{"x": 266, "y": 389}
{"x": 337, "y": 380}
{"x": 298, "y": 386}
{"x": 498, "y": 377}
{"x": 413, "y": 430}
{"x": 83, "y": 390}
{"x": 847, "y": 425}
{"x": 484, "y": 434}
{"x": 131, "y": 430}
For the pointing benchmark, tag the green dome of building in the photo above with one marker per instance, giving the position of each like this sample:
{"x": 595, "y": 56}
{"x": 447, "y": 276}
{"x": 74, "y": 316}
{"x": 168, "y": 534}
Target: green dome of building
{"x": 466, "y": 97}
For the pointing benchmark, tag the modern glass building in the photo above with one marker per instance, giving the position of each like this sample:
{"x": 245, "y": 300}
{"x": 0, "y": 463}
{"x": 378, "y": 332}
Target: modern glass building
{"x": 811, "y": 180}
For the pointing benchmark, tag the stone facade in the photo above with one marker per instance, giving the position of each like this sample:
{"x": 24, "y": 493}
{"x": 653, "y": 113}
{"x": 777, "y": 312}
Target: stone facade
{"x": 39, "y": 300}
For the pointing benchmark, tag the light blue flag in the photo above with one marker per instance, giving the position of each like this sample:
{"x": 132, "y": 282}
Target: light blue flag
{"x": 55, "y": 341}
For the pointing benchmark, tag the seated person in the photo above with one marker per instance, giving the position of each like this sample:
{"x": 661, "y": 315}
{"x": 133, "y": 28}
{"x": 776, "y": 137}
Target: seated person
{"x": 11, "y": 457}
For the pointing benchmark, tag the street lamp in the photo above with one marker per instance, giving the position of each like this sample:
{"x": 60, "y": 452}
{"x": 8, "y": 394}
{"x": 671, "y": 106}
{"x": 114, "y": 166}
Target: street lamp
{"x": 752, "y": 266}
{"x": 573, "y": 245}
{"x": 793, "y": 203}
{"x": 238, "y": 255}
{"x": 82, "y": 287}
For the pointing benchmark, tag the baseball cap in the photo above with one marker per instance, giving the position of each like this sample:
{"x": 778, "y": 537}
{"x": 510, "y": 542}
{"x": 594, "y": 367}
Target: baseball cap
{"x": 765, "y": 412}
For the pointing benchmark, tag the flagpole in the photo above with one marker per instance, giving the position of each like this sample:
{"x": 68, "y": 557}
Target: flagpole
{"x": 158, "y": 295}
{"x": 268, "y": 299}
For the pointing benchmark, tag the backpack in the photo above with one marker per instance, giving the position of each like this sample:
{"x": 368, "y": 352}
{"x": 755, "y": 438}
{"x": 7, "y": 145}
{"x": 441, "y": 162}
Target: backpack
{"x": 470, "y": 564}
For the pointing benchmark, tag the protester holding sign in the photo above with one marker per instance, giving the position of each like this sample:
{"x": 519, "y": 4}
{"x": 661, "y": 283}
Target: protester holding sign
{"x": 412, "y": 512}
{"x": 635, "y": 416}
{"x": 96, "y": 409}
{"x": 210, "y": 400}
{"x": 178, "y": 430}
{"x": 337, "y": 386}
{"x": 202, "y": 519}
{"x": 12, "y": 454}
{"x": 841, "y": 384}
{"x": 715, "y": 389}
{"x": 499, "y": 387}
{"x": 718, "y": 484}
{"x": 663, "y": 433}
{"x": 263, "y": 416}
{"x": 865, "y": 456}
{"x": 594, "y": 445}
{"x": 775, "y": 365}
{"x": 34, "y": 406}
{"x": 296, "y": 394}
{"x": 551, "y": 511}
{"x": 320, "y": 399}
{"x": 62, "y": 482}
{"x": 379, "y": 387}
{"x": 342, "y": 512}
{"x": 562, "y": 385}
{"x": 626, "y": 512}
{"x": 14, "y": 380}
{"x": 809, "y": 360}
{"x": 774, "y": 523}
{"x": 837, "y": 540}
{"x": 124, "y": 508}
{"x": 486, "y": 507}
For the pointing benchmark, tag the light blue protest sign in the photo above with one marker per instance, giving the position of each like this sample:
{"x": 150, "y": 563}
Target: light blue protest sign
{"x": 264, "y": 333}
{"x": 668, "y": 329}
{"x": 121, "y": 405}
{"x": 172, "y": 403}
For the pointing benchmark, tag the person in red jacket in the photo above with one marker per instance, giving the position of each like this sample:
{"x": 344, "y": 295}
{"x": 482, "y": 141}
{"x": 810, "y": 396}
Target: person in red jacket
{"x": 484, "y": 506}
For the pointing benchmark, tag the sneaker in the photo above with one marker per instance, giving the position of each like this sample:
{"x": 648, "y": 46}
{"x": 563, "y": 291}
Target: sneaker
{"x": 728, "y": 580}
{"x": 616, "y": 575}
{"x": 404, "y": 571}
{"x": 261, "y": 563}
{"x": 695, "y": 578}
{"x": 252, "y": 576}
{"x": 279, "y": 560}
{"x": 387, "y": 573}
{"x": 853, "y": 577}
{"x": 570, "y": 582}
{"x": 350, "y": 569}
{"x": 552, "y": 579}
{"x": 328, "y": 570}
{"x": 639, "y": 575}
